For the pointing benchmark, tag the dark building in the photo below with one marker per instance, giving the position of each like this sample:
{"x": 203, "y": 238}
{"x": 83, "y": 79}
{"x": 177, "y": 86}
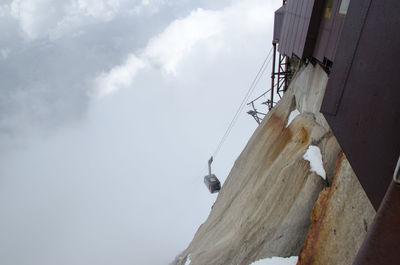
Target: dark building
{"x": 310, "y": 28}
{"x": 362, "y": 98}
{"x": 357, "y": 42}
{"x": 360, "y": 40}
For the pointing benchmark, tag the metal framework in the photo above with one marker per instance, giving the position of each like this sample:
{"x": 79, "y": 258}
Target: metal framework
{"x": 279, "y": 76}
{"x": 254, "y": 112}
{"x": 282, "y": 72}
{"x": 279, "y": 82}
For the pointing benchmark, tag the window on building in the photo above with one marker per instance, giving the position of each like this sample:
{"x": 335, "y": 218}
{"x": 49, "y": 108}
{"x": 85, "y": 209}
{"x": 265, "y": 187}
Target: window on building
{"x": 328, "y": 9}
{"x": 344, "y": 5}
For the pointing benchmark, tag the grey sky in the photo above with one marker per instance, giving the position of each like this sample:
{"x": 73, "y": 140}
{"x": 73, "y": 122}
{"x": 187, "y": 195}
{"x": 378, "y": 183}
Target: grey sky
{"x": 109, "y": 111}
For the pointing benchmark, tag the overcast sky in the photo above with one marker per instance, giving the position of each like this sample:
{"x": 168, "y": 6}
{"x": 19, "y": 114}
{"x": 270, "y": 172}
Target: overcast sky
{"x": 109, "y": 111}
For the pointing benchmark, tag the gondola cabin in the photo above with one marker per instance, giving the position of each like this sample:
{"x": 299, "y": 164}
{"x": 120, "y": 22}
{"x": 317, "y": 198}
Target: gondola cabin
{"x": 212, "y": 183}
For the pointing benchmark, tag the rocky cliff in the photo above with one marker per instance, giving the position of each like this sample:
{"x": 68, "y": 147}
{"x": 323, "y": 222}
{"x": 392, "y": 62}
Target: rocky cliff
{"x": 272, "y": 194}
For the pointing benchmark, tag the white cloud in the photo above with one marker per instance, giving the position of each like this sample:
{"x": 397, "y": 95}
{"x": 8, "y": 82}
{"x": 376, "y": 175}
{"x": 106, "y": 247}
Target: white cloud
{"x": 4, "y": 53}
{"x": 46, "y": 18}
{"x": 32, "y": 15}
{"x": 180, "y": 37}
{"x": 4, "y": 10}
{"x": 144, "y": 4}
{"x": 103, "y": 9}
{"x": 165, "y": 50}
{"x": 119, "y": 76}
{"x": 210, "y": 31}
{"x": 81, "y": 12}
{"x": 112, "y": 143}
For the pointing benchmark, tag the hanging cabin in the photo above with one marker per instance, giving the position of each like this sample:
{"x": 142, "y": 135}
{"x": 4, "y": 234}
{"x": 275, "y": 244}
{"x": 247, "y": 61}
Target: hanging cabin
{"x": 211, "y": 181}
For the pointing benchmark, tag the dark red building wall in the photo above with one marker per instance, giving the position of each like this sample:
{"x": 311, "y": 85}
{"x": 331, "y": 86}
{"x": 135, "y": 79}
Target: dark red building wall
{"x": 329, "y": 32}
{"x": 306, "y": 31}
{"x": 300, "y": 27}
{"x": 362, "y": 99}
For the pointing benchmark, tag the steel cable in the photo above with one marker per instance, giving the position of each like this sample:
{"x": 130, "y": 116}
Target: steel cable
{"x": 243, "y": 103}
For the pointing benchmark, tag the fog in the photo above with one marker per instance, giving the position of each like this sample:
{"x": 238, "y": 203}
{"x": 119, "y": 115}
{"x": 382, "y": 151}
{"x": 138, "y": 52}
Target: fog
{"x": 109, "y": 112}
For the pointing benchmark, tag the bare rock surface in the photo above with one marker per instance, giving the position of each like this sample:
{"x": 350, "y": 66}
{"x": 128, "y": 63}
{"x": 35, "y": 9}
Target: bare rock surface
{"x": 340, "y": 220}
{"x": 264, "y": 206}
{"x": 263, "y": 209}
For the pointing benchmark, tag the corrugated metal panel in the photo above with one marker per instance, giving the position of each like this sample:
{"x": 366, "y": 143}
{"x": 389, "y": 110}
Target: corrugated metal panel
{"x": 284, "y": 30}
{"x": 295, "y": 27}
{"x": 278, "y": 23}
{"x": 285, "y": 39}
{"x": 314, "y": 22}
{"x": 300, "y": 27}
{"x": 334, "y": 37}
{"x": 329, "y": 34}
{"x": 362, "y": 99}
{"x": 291, "y": 30}
{"x": 299, "y": 46}
{"x": 306, "y": 24}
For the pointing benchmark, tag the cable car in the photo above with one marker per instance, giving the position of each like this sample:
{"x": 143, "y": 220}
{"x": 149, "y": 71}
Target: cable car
{"x": 211, "y": 181}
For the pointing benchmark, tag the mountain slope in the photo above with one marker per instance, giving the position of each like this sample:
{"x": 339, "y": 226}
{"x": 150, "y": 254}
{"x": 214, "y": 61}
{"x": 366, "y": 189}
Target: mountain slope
{"x": 263, "y": 209}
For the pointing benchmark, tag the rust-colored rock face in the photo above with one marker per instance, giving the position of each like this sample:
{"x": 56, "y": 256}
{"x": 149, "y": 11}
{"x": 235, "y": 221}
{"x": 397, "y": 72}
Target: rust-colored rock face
{"x": 307, "y": 253}
{"x": 339, "y": 220}
{"x": 263, "y": 208}
{"x": 265, "y": 204}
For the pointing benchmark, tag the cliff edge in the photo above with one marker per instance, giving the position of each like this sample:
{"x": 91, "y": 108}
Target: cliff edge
{"x": 264, "y": 207}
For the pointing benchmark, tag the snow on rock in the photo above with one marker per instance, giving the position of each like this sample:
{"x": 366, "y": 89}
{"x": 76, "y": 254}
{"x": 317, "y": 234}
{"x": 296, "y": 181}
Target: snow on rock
{"x": 246, "y": 219}
{"x": 242, "y": 227}
{"x": 187, "y": 260}
{"x": 292, "y": 115}
{"x": 313, "y": 154}
{"x": 277, "y": 261}
{"x": 342, "y": 214}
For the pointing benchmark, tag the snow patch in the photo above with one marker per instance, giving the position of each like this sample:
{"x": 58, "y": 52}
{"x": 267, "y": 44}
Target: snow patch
{"x": 188, "y": 260}
{"x": 277, "y": 261}
{"x": 292, "y": 115}
{"x": 313, "y": 154}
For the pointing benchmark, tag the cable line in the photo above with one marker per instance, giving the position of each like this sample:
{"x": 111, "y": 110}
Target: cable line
{"x": 243, "y": 103}
{"x": 249, "y": 92}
